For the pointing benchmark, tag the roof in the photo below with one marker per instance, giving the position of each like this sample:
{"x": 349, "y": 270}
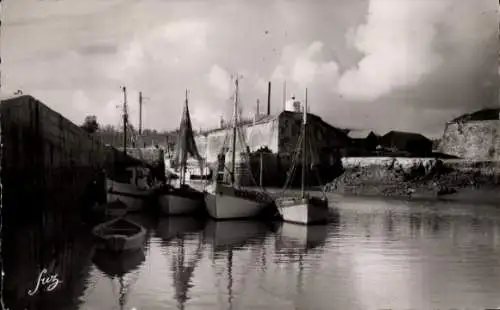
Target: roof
{"x": 359, "y": 133}
{"x": 246, "y": 122}
{"x": 5, "y": 96}
{"x": 481, "y": 115}
{"x": 404, "y": 135}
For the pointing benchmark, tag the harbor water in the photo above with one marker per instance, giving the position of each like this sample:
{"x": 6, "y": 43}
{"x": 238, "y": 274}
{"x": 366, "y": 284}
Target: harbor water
{"x": 376, "y": 254}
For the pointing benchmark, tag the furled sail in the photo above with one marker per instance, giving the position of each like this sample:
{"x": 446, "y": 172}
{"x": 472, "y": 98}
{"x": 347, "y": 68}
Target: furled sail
{"x": 185, "y": 146}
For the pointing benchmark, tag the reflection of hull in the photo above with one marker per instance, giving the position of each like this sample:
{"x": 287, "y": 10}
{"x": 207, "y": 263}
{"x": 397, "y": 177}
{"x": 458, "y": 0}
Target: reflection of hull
{"x": 232, "y": 233}
{"x": 303, "y": 210}
{"x": 293, "y": 236}
{"x": 129, "y": 194}
{"x": 169, "y": 228}
{"x": 224, "y": 202}
{"x": 117, "y": 264}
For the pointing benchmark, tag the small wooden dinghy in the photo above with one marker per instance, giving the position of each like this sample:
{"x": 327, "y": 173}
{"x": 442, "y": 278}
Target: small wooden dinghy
{"x": 120, "y": 235}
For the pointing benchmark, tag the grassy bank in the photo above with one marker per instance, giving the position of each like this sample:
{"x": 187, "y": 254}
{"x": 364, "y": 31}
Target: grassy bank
{"x": 416, "y": 177}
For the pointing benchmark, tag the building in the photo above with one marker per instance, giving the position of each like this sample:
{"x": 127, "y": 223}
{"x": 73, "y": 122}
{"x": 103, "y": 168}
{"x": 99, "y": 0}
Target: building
{"x": 413, "y": 144}
{"x": 280, "y": 135}
{"x": 473, "y": 136}
{"x": 363, "y": 142}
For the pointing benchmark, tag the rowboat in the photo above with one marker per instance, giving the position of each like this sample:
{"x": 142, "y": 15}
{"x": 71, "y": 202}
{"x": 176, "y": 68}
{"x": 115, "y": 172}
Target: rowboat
{"x": 119, "y": 235}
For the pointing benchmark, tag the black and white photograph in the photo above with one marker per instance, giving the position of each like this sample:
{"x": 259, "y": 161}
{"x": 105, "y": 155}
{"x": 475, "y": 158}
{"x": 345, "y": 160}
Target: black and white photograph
{"x": 250, "y": 154}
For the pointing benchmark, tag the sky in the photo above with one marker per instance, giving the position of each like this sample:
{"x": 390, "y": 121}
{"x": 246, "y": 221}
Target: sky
{"x": 384, "y": 65}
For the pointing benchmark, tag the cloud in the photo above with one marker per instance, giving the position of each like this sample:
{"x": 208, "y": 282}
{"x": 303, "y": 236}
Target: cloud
{"x": 398, "y": 43}
{"x": 220, "y": 80}
{"x": 171, "y": 45}
{"x": 303, "y": 66}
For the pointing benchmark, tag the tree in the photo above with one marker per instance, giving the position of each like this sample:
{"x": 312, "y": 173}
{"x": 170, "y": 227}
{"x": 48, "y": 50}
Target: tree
{"x": 90, "y": 124}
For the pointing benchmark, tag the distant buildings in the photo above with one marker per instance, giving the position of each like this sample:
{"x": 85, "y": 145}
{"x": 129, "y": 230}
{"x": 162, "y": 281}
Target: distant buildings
{"x": 412, "y": 143}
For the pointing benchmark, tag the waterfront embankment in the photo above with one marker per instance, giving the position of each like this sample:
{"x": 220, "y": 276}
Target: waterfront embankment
{"x": 425, "y": 178}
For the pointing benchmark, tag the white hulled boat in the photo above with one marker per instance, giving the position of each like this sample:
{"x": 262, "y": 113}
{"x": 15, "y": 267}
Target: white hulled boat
{"x": 227, "y": 201}
{"x": 304, "y": 208}
{"x": 128, "y": 183}
{"x": 182, "y": 199}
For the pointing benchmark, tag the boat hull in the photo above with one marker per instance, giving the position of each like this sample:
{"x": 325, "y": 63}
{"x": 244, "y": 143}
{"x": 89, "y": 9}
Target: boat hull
{"x": 109, "y": 236}
{"x": 133, "y": 197}
{"x": 227, "y": 205}
{"x": 172, "y": 204}
{"x": 303, "y": 210}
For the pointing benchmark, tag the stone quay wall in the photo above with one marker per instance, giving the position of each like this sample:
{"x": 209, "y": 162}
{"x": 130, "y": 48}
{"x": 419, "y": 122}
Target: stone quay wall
{"x": 478, "y": 140}
{"x": 47, "y": 161}
{"x": 413, "y": 177}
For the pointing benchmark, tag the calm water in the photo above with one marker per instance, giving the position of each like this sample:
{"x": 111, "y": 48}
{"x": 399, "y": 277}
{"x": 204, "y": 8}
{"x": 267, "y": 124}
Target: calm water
{"x": 377, "y": 255}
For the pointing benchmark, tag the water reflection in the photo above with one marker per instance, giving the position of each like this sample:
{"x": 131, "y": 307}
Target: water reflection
{"x": 376, "y": 255}
{"x": 27, "y": 250}
{"x": 118, "y": 266}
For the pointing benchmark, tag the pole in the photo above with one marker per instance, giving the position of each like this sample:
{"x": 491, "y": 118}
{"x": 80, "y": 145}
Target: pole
{"x": 261, "y": 168}
{"x": 304, "y": 155}
{"x": 125, "y": 120}
{"x": 233, "y": 164}
{"x": 140, "y": 113}
{"x": 284, "y": 95}
{"x": 268, "y": 98}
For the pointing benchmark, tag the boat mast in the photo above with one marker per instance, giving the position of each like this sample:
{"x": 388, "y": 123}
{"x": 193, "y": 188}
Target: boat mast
{"x": 304, "y": 156}
{"x": 183, "y": 143}
{"x": 140, "y": 113}
{"x": 125, "y": 120}
{"x": 233, "y": 164}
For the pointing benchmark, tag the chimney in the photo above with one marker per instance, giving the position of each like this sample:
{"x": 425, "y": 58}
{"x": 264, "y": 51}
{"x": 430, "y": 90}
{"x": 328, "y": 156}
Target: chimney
{"x": 258, "y": 107}
{"x": 268, "y": 98}
{"x": 221, "y": 122}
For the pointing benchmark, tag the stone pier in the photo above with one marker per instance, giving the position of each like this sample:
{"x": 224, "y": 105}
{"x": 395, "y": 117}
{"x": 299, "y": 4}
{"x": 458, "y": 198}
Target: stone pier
{"x": 47, "y": 162}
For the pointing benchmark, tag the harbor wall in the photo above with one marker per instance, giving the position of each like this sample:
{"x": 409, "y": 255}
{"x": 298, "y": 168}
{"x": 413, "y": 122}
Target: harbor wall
{"x": 414, "y": 177}
{"x": 472, "y": 139}
{"x": 255, "y": 136}
{"x": 47, "y": 161}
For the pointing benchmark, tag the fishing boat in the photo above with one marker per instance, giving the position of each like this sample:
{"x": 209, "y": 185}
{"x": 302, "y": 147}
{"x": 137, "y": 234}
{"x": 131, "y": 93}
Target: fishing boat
{"x": 119, "y": 235}
{"x": 128, "y": 182}
{"x": 226, "y": 200}
{"x": 182, "y": 199}
{"x": 304, "y": 208}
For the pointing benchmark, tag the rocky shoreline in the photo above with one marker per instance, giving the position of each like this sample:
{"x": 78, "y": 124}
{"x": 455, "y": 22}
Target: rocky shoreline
{"x": 411, "y": 178}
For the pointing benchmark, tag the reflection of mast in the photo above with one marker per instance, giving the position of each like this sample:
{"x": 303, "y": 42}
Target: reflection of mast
{"x": 300, "y": 274}
{"x": 230, "y": 278}
{"x": 183, "y": 275}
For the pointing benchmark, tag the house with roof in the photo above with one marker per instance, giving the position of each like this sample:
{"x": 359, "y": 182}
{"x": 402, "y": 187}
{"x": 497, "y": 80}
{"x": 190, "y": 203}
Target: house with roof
{"x": 363, "y": 142}
{"x": 413, "y": 144}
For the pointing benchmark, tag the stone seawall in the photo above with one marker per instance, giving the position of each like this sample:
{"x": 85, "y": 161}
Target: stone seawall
{"x": 414, "y": 177}
{"x": 47, "y": 161}
{"x": 472, "y": 139}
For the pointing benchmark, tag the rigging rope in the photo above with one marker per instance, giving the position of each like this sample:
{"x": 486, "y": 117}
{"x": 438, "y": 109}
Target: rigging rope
{"x": 293, "y": 167}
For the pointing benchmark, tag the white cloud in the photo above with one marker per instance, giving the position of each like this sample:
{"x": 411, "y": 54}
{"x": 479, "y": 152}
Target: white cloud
{"x": 170, "y": 45}
{"x": 304, "y": 67}
{"x": 397, "y": 41}
{"x": 220, "y": 80}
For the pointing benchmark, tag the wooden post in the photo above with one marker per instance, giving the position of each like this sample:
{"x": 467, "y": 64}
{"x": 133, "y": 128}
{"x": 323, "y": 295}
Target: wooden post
{"x": 261, "y": 168}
